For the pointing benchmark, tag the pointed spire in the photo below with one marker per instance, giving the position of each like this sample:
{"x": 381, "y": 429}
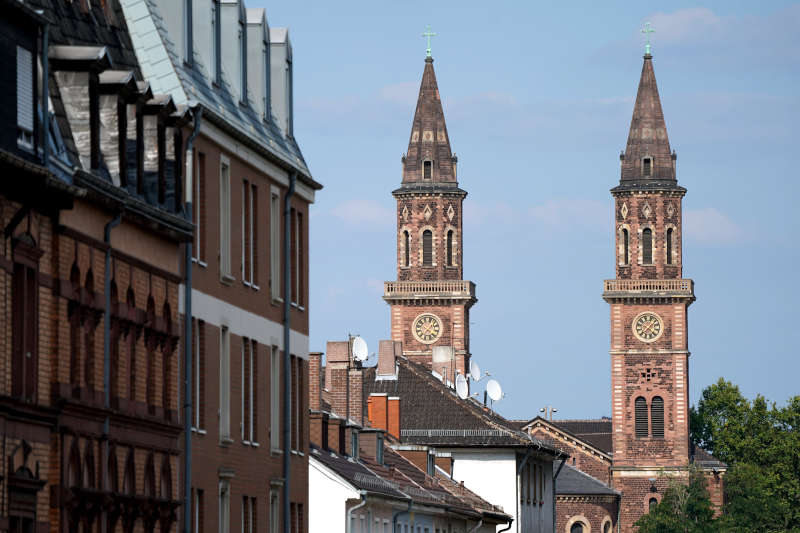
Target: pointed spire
{"x": 429, "y": 158}
{"x": 648, "y": 159}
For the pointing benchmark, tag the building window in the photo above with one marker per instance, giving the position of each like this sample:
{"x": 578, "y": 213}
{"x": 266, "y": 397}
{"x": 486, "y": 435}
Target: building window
{"x": 657, "y": 417}
{"x": 577, "y": 527}
{"x": 248, "y": 514}
{"x": 224, "y": 219}
{"x": 199, "y": 374}
{"x": 289, "y": 98}
{"x": 300, "y": 259}
{"x": 25, "y": 298}
{"x": 427, "y": 170}
{"x": 243, "y": 61}
{"x": 449, "y": 247}
{"x": 198, "y": 209}
{"x": 249, "y": 388}
{"x": 188, "y": 30}
{"x": 647, "y": 246}
{"x": 275, "y": 244}
{"x": 293, "y": 254}
{"x": 431, "y": 464}
{"x": 274, "y": 400}
{"x": 640, "y": 418}
{"x": 224, "y": 506}
{"x": 265, "y": 89}
{"x": 354, "y": 444}
{"x": 379, "y": 448}
{"x": 625, "y": 247}
{"x": 669, "y": 246}
{"x": 199, "y": 509}
{"x": 647, "y": 166}
{"x": 427, "y": 248}
{"x": 215, "y": 41}
{"x": 224, "y": 384}
{"x": 651, "y": 504}
{"x": 25, "y": 97}
{"x": 274, "y": 511}
{"x": 607, "y": 527}
{"x": 406, "y": 248}
{"x": 298, "y": 415}
{"x": 249, "y": 234}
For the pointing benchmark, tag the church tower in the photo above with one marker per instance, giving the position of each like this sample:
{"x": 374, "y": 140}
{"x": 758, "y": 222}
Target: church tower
{"x": 649, "y": 301}
{"x": 430, "y": 300}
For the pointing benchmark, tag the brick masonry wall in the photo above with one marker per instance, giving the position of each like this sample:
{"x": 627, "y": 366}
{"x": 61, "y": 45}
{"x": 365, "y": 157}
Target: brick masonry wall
{"x": 581, "y": 457}
{"x": 637, "y": 493}
{"x": 594, "y": 512}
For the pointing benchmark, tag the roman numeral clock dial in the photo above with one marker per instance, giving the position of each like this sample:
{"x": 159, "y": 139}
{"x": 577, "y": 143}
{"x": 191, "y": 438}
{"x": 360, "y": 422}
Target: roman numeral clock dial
{"x": 647, "y": 326}
{"x": 427, "y": 328}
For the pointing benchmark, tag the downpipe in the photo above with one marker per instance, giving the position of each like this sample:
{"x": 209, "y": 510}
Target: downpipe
{"x": 479, "y": 524}
{"x": 396, "y": 515}
{"x": 347, "y": 526}
{"x": 187, "y": 330}
{"x": 287, "y": 363}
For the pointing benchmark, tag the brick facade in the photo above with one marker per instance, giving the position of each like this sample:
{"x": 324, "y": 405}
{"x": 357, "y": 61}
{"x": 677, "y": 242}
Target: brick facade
{"x": 596, "y": 512}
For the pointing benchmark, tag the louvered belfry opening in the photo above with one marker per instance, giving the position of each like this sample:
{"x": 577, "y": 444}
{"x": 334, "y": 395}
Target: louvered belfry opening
{"x": 641, "y": 418}
{"x": 427, "y": 248}
{"x": 625, "y": 245}
{"x": 450, "y": 248}
{"x": 669, "y": 246}
{"x": 406, "y": 248}
{"x": 647, "y": 167}
{"x": 647, "y": 246}
{"x": 657, "y": 417}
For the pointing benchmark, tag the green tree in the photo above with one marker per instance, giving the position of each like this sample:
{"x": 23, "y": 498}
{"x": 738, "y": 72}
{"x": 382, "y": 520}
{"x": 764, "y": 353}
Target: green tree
{"x": 760, "y": 442}
{"x": 685, "y": 508}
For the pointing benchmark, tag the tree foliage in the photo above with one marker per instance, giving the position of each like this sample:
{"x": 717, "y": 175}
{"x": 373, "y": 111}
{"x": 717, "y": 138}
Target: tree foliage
{"x": 685, "y": 508}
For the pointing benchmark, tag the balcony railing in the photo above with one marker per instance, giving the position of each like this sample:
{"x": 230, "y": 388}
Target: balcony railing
{"x": 661, "y": 286}
{"x": 421, "y": 289}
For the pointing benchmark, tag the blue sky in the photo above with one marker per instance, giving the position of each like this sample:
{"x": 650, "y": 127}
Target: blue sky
{"x": 538, "y": 98}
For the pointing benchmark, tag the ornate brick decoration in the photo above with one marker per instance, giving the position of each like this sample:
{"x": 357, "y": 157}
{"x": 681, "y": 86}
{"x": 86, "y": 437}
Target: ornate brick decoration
{"x": 649, "y": 302}
{"x": 429, "y": 243}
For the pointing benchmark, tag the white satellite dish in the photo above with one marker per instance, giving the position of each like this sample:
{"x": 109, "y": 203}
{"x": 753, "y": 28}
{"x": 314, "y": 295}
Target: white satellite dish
{"x": 360, "y": 352}
{"x": 462, "y": 388}
{"x": 494, "y": 390}
{"x": 474, "y": 370}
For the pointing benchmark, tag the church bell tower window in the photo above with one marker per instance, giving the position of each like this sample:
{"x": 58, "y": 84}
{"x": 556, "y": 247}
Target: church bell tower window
{"x": 406, "y": 248}
{"x": 647, "y": 166}
{"x": 427, "y": 170}
{"x": 647, "y": 246}
{"x": 427, "y": 248}
{"x": 625, "y": 246}
{"x": 669, "y": 246}
{"x": 641, "y": 418}
{"x": 657, "y": 417}
{"x": 449, "y": 247}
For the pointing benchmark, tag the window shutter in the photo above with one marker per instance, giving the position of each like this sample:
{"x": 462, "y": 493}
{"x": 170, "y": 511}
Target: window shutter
{"x": 427, "y": 248}
{"x": 657, "y": 417}
{"x": 24, "y": 89}
{"x": 647, "y": 246}
{"x": 641, "y": 417}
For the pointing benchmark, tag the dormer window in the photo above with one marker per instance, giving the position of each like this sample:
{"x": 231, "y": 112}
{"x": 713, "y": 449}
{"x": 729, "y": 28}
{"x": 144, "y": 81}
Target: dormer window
{"x": 427, "y": 170}
{"x": 216, "y": 39}
{"x": 25, "y": 100}
{"x": 647, "y": 166}
{"x": 431, "y": 465}
{"x": 379, "y": 448}
{"x": 266, "y": 89}
{"x": 243, "y": 60}
{"x": 354, "y": 444}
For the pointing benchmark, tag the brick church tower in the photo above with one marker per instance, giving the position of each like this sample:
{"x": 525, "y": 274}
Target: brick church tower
{"x": 430, "y": 300}
{"x": 649, "y": 302}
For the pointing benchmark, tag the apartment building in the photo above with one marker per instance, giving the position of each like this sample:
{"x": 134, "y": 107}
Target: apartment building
{"x": 249, "y": 184}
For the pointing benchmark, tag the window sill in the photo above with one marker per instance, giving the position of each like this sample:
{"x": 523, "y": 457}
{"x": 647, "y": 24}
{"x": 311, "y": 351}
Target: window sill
{"x": 225, "y": 441}
{"x": 255, "y": 287}
{"x": 227, "y": 279}
{"x": 199, "y": 431}
{"x": 276, "y": 300}
{"x": 275, "y": 451}
{"x": 301, "y": 308}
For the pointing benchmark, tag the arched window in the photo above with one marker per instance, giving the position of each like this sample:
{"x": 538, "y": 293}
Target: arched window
{"x": 625, "y": 244}
{"x": 669, "y": 246}
{"x": 607, "y": 527}
{"x": 450, "y": 248}
{"x": 406, "y": 248}
{"x": 657, "y": 417}
{"x": 652, "y": 503}
{"x": 647, "y": 246}
{"x": 641, "y": 417}
{"x": 427, "y": 248}
{"x": 577, "y": 527}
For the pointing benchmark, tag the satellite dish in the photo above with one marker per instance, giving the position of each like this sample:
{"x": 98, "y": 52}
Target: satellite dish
{"x": 360, "y": 352}
{"x": 494, "y": 390}
{"x": 474, "y": 370}
{"x": 462, "y": 388}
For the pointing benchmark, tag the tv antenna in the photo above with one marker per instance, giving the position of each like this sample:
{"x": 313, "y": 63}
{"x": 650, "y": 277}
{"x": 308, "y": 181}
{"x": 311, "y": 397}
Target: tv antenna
{"x": 462, "y": 387}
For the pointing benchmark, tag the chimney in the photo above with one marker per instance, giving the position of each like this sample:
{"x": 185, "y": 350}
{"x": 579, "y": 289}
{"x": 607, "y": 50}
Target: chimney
{"x": 336, "y": 375}
{"x": 314, "y": 393}
{"x": 393, "y": 416}
{"x": 444, "y": 362}
{"x": 377, "y": 410}
{"x": 386, "y": 358}
{"x": 356, "y": 381}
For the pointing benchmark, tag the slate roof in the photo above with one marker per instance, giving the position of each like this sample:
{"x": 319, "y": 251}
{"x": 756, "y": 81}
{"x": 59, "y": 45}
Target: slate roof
{"x": 432, "y": 414}
{"x": 571, "y": 481}
{"x": 704, "y": 459}
{"x": 398, "y": 478}
{"x": 193, "y": 83}
{"x": 596, "y": 432}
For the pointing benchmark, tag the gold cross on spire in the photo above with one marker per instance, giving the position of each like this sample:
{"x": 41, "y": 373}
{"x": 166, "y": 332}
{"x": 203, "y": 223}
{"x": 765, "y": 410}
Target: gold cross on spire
{"x": 428, "y": 33}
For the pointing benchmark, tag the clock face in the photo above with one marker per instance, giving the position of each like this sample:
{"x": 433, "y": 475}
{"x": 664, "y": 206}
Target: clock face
{"x": 647, "y": 326}
{"x": 427, "y": 328}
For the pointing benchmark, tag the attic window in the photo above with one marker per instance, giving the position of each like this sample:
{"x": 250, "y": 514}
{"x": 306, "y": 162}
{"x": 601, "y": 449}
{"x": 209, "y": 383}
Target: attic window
{"x": 379, "y": 448}
{"x": 431, "y": 464}
{"x": 427, "y": 170}
{"x": 354, "y": 444}
{"x": 647, "y": 166}
{"x": 24, "y": 97}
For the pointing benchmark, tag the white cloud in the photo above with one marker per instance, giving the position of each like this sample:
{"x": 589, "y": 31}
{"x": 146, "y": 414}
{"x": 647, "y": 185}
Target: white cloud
{"x": 708, "y": 225}
{"x": 687, "y": 24}
{"x": 404, "y": 93}
{"x": 363, "y": 211}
